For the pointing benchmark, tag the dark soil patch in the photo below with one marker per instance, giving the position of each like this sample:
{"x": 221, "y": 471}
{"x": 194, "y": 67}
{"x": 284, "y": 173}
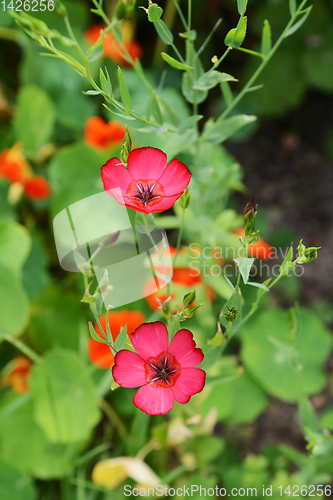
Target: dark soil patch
{"x": 288, "y": 171}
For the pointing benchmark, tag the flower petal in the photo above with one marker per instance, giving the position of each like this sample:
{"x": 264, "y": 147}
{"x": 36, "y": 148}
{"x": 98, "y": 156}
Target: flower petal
{"x": 150, "y": 339}
{"x": 183, "y": 348}
{"x": 166, "y": 203}
{"x": 146, "y": 163}
{"x": 175, "y": 178}
{"x": 115, "y": 175}
{"x": 154, "y": 400}
{"x": 190, "y": 382}
{"x": 129, "y": 369}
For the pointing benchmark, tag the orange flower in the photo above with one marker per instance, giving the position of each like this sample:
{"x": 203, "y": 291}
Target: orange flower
{"x": 260, "y": 250}
{"x": 101, "y": 135}
{"x": 100, "y": 354}
{"x": 111, "y": 47}
{"x": 183, "y": 278}
{"x": 37, "y": 188}
{"x": 13, "y": 165}
{"x": 18, "y": 377}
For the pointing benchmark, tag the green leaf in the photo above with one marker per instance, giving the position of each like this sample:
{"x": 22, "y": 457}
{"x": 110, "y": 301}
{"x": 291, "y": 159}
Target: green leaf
{"x": 152, "y": 108}
{"x": 244, "y": 266}
{"x": 190, "y": 77}
{"x": 14, "y": 249}
{"x": 94, "y": 335}
{"x": 227, "y": 93}
{"x": 125, "y": 97}
{"x": 308, "y": 417}
{"x": 241, "y": 5}
{"x": 292, "y": 7}
{"x": 287, "y": 263}
{"x": 120, "y": 340}
{"x": 211, "y": 79}
{"x": 266, "y": 38}
{"x": 174, "y": 63}
{"x": 105, "y": 82}
{"x": 56, "y": 320}
{"x": 163, "y": 32}
{"x": 25, "y": 447}
{"x": 285, "y": 367}
{"x": 34, "y": 118}
{"x": 299, "y": 23}
{"x": 191, "y": 35}
{"x": 220, "y": 131}
{"x": 14, "y": 485}
{"x": 64, "y": 399}
{"x": 235, "y": 37}
{"x": 154, "y": 12}
{"x": 34, "y": 272}
{"x": 258, "y": 285}
{"x": 188, "y": 123}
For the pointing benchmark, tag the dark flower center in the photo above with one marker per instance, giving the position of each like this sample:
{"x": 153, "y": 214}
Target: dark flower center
{"x": 162, "y": 370}
{"x": 146, "y": 192}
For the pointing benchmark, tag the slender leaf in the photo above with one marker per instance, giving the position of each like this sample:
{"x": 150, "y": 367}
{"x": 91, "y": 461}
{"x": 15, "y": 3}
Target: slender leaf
{"x": 258, "y": 285}
{"x": 299, "y": 23}
{"x": 94, "y": 335}
{"x": 286, "y": 264}
{"x": 125, "y": 97}
{"x": 241, "y": 5}
{"x": 266, "y": 38}
{"x": 211, "y": 79}
{"x": 105, "y": 83}
{"x": 174, "y": 63}
{"x": 292, "y": 7}
{"x": 163, "y": 32}
{"x": 235, "y": 37}
{"x": 188, "y": 123}
{"x": 120, "y": 340}
{"x": 222, "y": 130}
{"x": 227, "y": 93}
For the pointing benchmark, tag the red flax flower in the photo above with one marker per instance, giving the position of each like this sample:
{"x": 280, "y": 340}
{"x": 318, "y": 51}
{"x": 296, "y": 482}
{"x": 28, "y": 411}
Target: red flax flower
{"x": 165, "y": 372}
{"x": 100, "y": 354}
{"x": 18, "y": 377}
{"x": 111, "y": 47}
{"x": 148, "y": 185}
{"x": 101, "y": 135}
{"x": 37, "y": 188}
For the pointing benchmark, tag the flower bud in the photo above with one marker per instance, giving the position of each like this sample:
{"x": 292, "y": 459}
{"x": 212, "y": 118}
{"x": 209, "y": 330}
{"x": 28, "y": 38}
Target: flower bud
{"x": 189, "y": 298}
{"x": 250, "y": 214}
{"x": 126, "y": 147}
{"x": 185, "y": 198}
{"x": 231, "y": 314}
{"x": 109, "y": 239}
{"x": 188, "y": 313}
{"x": 124, "y": 9}
{"x": 60, "y": 9}
{"x": 306, "y": 255}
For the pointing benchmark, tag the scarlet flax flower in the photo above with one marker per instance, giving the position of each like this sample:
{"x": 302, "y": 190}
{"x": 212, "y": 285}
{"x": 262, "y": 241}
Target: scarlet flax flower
{"x": 148, "y": 185}
{"x": 112, "y": 48}
{"x": 102, "y": 135}
{"x": 166, "y": 373}
{"x": 18, "y": 377}
{"x": 100, "y": 354}
{"x": 37, "y": 188}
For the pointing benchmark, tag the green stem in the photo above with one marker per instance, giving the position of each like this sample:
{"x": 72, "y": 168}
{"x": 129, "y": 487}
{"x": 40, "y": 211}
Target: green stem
{"x": 21, "y": 346}
{"x": 262, "y": 65}
{"x": 181, "y": 15}
{"x": 114, "y": 419}
{"x": 179, "y": 237}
